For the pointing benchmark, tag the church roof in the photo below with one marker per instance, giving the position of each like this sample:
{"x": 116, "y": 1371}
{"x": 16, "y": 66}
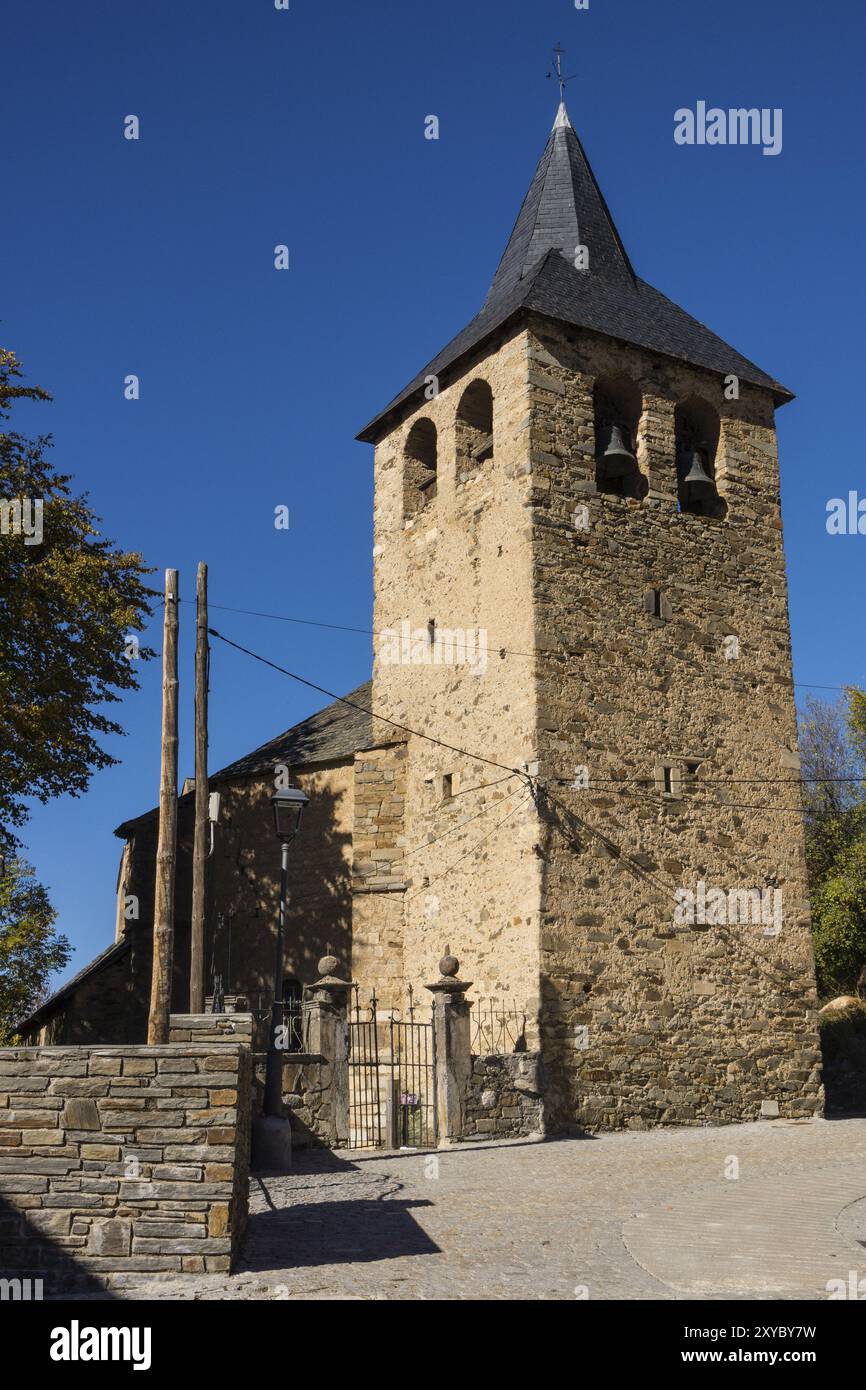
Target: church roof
{"x": 337, "y": 731}
{"x": 334, "y": 733}
{"x": 563, "y": 209}
{"x": 107, "y": 957}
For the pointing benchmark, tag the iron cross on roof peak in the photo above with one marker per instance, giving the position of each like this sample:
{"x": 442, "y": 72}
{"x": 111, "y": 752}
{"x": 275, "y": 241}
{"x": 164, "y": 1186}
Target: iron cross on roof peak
{"x": 557, "y": 63}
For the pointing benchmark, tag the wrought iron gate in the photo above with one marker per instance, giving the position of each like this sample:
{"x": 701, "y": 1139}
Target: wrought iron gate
{"x": 366, "y": 1130}
{"x": 413, "y": 1075}
{"x": 391, "y": 1079}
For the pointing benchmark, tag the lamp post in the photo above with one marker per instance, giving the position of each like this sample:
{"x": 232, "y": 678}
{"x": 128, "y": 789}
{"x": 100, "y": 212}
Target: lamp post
{"x": 288, "y": 806}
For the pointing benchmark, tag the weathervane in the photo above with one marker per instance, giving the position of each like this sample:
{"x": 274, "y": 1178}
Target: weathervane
{"x": 557, "y": 62}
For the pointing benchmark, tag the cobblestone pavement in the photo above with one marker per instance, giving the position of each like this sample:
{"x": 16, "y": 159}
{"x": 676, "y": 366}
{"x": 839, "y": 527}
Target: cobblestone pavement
{"x": 622, "y": 1216}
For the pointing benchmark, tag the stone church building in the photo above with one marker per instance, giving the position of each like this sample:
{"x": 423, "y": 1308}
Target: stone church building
{"x": 571, "y": 762}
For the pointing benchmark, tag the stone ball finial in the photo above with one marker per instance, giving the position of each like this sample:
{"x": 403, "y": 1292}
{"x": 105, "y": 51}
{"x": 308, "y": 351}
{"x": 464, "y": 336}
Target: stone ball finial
{"x": 328, "y": 965}
{"x": 449, "y": 965}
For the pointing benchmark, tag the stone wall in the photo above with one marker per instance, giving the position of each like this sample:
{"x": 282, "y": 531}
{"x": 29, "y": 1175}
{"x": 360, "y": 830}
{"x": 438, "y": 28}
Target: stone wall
{"x": 102, "y": 1008}
{"x": 307, "y": 1097}
{"x": 563, "y": 906}
{"x": 207, "y": 1028}
{"x": 843, "y": 1040}
{"x": 647, "y": 1020}
{"x": 308, "y": 1100}
{"x": 504, "y": 1097}
{"x": 115, "y": 1160}
{"x": 243, "y": 904}
{"x": 464, "y": 560}
{"x": 378, "y": 872}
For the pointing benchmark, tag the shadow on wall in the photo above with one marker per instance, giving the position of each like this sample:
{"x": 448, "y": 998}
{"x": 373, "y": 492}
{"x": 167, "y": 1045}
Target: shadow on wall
{"x": 843, "y": 1044}
{"x": 111, "y": 1004}
{"x": 243, "y": 907}
{"x": 33, "y": 1266}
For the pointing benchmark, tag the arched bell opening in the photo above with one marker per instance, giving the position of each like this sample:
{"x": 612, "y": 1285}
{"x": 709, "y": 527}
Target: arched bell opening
{"x": 616, "y": 412}
{"x": 474, "y": 428}
{"x": 696, "y": 428}
{"x": 419, "y": 467}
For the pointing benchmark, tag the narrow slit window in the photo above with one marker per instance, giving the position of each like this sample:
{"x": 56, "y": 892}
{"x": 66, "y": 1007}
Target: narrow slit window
{"x": 657, "y": 604}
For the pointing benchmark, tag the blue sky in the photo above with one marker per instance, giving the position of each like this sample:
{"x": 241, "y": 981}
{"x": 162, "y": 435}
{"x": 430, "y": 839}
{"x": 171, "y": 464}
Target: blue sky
{"x": 306, "y": 128}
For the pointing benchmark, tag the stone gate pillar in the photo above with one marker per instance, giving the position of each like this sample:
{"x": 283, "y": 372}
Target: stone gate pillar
{"x": 328, "y": 1035}
{"x": 453, "y": 1049}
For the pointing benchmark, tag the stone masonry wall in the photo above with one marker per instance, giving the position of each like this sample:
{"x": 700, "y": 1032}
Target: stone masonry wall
{"x": 504, "y": 1097}
{"x": 307, "y": 1096}
{"x": 243, "y": 903}
{"x": 117, "y": 1159}
{"x": 244, "y": 879}
{"x": 308, "y": 1100}
{"x": 464, "y": 560}
{"x": 378, "y": 872}
{"x": 646, "y": 1020}
{"x": 207, "y": 1028}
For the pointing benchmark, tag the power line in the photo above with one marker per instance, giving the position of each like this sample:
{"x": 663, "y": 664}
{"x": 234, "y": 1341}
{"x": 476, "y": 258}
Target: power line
{"x": 638, "y": 870}
{"x": 713, "y": 781}
{"x": 513, "y": 772}
{"x": 472, "y": 849}
{"x": 374, "y": 632}
{"x": 537, "y": 792}
{"x": 684, "y": 803}
{"x": 614, "y": 784}
{"x": 341, "y": 699}
{"x": 458, "y": 826}
{"x": 479, "y": 786}
{"x": 282, "y": 618}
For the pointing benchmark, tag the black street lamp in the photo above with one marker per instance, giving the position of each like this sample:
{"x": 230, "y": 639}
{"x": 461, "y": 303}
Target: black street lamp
{"x": 288, "y": 809}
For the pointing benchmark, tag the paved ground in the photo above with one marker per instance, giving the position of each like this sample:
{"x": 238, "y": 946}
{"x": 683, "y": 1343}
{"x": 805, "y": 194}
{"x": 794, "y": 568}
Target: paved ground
{"x": 618, "y": 1216}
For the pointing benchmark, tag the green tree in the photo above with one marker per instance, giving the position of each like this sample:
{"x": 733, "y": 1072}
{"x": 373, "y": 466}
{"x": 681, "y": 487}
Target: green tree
{"x": 68, "y": 604}
{"x": 833, "y": 751}
{"x": 30, "y": 948}
{"x": 839, "y": 922}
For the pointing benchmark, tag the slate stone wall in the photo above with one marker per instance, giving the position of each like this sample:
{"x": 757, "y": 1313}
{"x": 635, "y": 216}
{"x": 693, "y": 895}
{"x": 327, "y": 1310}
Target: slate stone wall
{"x": 646, "y": 1020}
{"x": 122, "y": 1159}
{"x": 207, "y": 1028}
{"x": 610, "y": 620}
{"x": 307, "y": 1097}
{"x": 504, "y": 1097}
{"x": 378, "y": 871}
{"x": 308, "y": 1100}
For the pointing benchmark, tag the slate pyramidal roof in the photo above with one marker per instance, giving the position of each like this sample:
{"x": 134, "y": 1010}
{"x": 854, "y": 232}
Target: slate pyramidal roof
{"x": 564, "y": 208}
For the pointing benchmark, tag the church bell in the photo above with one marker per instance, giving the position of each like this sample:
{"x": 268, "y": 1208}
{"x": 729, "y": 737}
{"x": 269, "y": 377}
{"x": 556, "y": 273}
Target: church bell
{"x": 698, "y": 484}
{"x": 617, "y": 459}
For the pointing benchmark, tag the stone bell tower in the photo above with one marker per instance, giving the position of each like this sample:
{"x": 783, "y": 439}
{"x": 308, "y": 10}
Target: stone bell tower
{"x": 579, "y": 578}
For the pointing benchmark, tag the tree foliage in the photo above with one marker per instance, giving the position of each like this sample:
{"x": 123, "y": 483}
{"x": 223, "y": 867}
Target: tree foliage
{"x": 67, "y": 606}
{"x": 833, "y": 748}
{"x": 30, "y": 948}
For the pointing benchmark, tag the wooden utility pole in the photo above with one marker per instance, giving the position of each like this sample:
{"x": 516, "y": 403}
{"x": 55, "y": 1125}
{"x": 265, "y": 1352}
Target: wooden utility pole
{"x": 166, "y": 848}
{"x": 200, "y": 840}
